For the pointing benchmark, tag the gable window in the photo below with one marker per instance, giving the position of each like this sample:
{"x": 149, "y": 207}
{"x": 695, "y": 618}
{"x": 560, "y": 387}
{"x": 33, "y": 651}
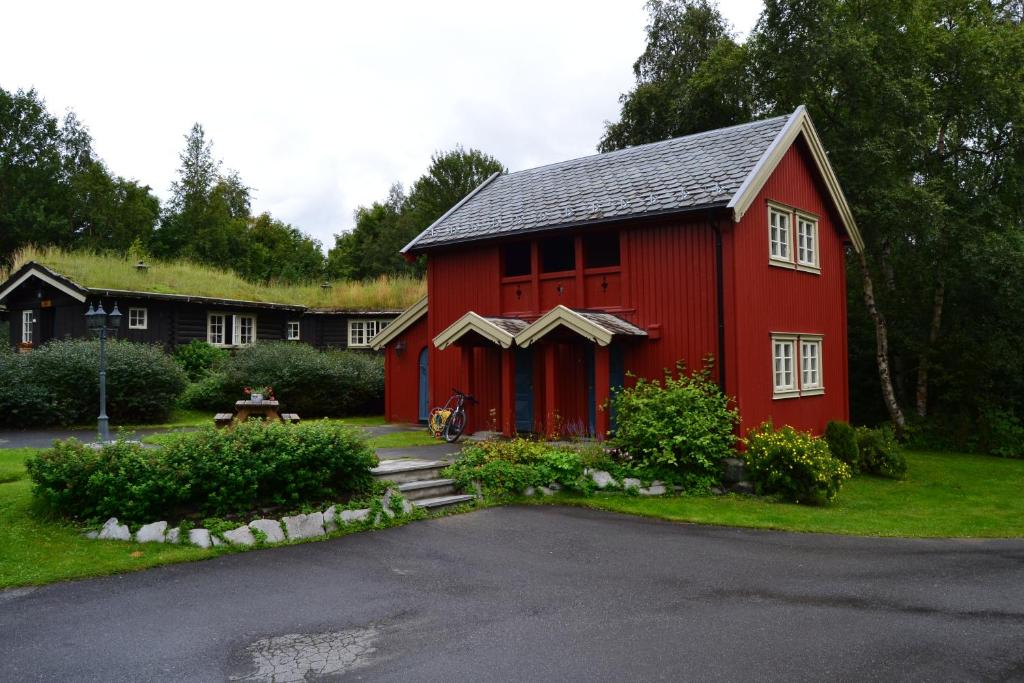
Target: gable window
{"x": 215, "y": 329}
{"x": 806, "y": 241}
{"x": 516, "y": 260}
{"x": 779, "y": 235}
{"x": 601, "y": 250}
{"x": 27, "y": 318}
{"x": 293, "y": 330}
{"x": 557, "y": 254}
{"x": 137, "y": 319}
{"x": 360, "y": 332}
{"x": 796, "y": 365}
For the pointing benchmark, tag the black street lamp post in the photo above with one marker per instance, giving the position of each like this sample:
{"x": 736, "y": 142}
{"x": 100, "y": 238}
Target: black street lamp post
{"x": 100, "y": 323}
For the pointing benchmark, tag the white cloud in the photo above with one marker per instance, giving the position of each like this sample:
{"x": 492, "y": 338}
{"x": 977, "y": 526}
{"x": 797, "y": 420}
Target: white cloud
{"x": 321, "y": 106}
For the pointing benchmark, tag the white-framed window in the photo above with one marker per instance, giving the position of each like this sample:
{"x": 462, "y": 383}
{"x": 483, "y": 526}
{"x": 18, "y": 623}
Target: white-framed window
{"x": 215, "y": 328}
{"x": 797, "y": 368}
{"x": 779, "y": 238}
{"x": 806, "y": 241}
{"x": 293, "y": 330}
{"x": 360, "y": 332}
{"x": 137, "y": 319}
{"x": 244, "y": 330}
{"x": 27, "y": 318}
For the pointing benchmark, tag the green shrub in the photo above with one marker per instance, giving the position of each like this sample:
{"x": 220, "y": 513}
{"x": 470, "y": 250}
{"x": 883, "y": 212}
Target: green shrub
{"x": 880, "y": 454}
{"x": 210, "y": 393}
{"x": 506, "y": 468}
{"x": 198, "y": 358}
{"x": 211, "y": 472}
{"x": 58, "y": 383}
{"x": 1001, "y": 433}
{"x": 842, "y": 442}
{"x": 794, "y": 465}
{"x": 683, "y": 424}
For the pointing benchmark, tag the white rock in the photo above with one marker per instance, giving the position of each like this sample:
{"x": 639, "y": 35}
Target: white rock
{"x": 555, "y": 486}
{"x": 174, "y": 535}
{"x": 91, "y": 534}
{"x": 407, "y": 507}
{"x": 546, "y": 491}
{"x": 304, "y": 526}
{"x": 114, "y": 531}
{"x": 270, "y": 527}
{"x": 603, "y": 479}
{"x": 350, "y": 516}
{"x": 530, "y": 492}
{"x": 200, "y": 537}
{"x": 216, "y": 540}
{"x": 385, "y": 502}
{"x": 331, "y": 519}
{"x": 630, "y": 483}
{"x": 656, "y": 488}
{"x": 152, "y": 533}
{"x": 240, "y": 536}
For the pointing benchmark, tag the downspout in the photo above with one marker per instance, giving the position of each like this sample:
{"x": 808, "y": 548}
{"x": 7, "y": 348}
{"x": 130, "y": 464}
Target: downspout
{"x": 716, "y": 226}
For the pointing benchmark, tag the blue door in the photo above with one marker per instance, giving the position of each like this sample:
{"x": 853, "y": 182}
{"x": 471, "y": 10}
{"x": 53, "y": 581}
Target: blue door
{"x": 424, "y": 386}
{"x": 588, "y": 360}
{"x": 524, "y": 390}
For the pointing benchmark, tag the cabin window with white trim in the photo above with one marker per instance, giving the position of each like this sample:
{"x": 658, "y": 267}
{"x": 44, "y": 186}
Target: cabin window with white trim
{"x": 27, "y": 319}
{"x": 361, "y": 332}
{"x": 806, "y": 241}
{"x": 797, "y": 368}
{"x": 137, "y": 319}
{"x": 779, "y": 235}
{"x": 293, "y": 330}
{"x": 245, "y": 330}
{"x": 215, "y": 329}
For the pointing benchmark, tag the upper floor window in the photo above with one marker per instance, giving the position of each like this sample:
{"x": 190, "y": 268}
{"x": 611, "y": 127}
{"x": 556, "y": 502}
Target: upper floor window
{"x": 806, "y": 241}
{"x": 778, "y": 235}
{"x": 601, "y": 250}
{"x": 516, "y": 259}
{"x": 137, "y": 319}
{"x": 360, "y": 332}
{"x": 293, "y": 330}
{"x": 557, "y": 254}
{"x": 27, "y": 318}
{"x": 796, "y": 365}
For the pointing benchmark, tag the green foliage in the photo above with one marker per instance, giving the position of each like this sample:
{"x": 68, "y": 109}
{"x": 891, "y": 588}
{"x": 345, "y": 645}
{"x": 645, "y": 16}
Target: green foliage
{"x": 58, "y": 383}
{"x": 212, "y": 472}
{"x": 505, "y": 468}
{"x": 880, "y": 454}
{"x": 1002, "y": 433}
{"x": 683, "y": 424}
{"x": 198, "y": 358}
{"x": 842, "y": 443}
{"x": 794, "y": 465}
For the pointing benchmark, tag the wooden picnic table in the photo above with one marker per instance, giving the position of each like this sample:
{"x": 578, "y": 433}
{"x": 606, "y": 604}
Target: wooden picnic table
{"x": 267, "y": 410}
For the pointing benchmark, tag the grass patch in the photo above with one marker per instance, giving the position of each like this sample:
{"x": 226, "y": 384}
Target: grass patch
{"x": 403, "y": 440}
{"x": 364, "y": 420}
{"x": 183, "y": 277}
{"x": 944, "y": 495}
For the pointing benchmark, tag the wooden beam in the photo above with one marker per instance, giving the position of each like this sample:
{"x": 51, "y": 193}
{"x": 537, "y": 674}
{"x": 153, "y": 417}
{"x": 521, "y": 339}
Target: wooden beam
{"x": 508, "y": 392}
{"x": 602, "y": 389}
{"x": 550, "y": 389}
{"x": 467, "y": 383}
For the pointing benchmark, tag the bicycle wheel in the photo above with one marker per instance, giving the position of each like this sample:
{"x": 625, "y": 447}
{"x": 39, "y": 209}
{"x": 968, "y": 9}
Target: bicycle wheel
{"x": 454, "y": 425}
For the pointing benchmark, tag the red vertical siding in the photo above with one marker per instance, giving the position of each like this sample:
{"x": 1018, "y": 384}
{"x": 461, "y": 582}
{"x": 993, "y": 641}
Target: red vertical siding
{"x": 768, "y": 299}
{"x": 402, "y": 374}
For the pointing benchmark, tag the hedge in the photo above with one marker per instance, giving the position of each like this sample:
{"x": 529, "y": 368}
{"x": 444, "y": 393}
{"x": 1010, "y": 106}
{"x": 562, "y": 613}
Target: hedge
{"x": 209, "y": 472}
{"x": 58, "y": 383}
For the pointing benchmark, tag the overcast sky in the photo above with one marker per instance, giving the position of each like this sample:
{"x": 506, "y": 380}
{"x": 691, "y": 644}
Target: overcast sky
{"x": 322, "y": 106}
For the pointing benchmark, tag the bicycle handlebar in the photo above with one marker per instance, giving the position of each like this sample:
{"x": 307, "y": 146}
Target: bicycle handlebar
{"x": 468, "y": 397}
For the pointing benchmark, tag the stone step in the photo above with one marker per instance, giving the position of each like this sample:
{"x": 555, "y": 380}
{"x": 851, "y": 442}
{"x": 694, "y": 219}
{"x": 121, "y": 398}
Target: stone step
{"x": 427, "y": 488}
{"x": 402, "y": 471}
{"x": 443, "y": 501}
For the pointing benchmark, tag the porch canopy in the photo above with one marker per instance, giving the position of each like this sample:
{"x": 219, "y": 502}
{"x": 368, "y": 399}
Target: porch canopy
{"x": 600, "y": 328}
{"x": 472, "y": 326}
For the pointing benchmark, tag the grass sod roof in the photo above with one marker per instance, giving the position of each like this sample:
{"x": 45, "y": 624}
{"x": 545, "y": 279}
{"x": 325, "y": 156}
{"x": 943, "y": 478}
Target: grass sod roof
{"x": 185, "y": 278}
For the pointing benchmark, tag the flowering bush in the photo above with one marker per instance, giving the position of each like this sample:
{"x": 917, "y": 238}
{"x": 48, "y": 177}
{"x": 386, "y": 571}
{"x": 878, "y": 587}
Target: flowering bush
{"x": 266, "y": 392}
{"x": 794, "y": 464}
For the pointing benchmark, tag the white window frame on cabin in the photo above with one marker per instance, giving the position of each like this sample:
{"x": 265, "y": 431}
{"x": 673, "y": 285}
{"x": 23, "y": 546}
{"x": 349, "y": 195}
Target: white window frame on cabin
{"x": 293, "y": 331}
{"x": 236, "y": 329}
{"x": 367, "y": 329}
{"x": 27, "y": 320}
{"x": 780, "y": 235}
{"x": 806, "y": 373}
{"x": 808, "y": 246}
{"x": 211, "y": 337}
{"x": 137, "y": 322}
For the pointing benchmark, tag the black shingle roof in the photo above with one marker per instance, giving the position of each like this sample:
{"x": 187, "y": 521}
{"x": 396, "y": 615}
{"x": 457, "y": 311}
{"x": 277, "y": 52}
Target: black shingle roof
{"x": 682, "y": 174}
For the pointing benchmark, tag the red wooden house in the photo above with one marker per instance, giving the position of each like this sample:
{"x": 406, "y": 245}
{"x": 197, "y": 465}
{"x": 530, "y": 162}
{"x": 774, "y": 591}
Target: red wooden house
{"x": 549, "y": 287}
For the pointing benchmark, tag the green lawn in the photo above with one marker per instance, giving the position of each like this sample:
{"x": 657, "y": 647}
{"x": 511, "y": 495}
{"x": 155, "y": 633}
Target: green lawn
{"x": 179, "y": 417}
{"x": 404, "y": 439}
{"x": 34, "y": 551}
{"x": 944, "y": 495}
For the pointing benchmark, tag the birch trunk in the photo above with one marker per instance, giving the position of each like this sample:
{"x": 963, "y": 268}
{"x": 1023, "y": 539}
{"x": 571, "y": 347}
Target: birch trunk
{"x": 882, "y": 348}
{"x": 933, "y": 336}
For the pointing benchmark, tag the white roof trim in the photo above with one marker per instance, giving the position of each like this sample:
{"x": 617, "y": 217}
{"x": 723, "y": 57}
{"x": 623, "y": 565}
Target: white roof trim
{"x": 37, "y": 272}
{"x": 450, "y": 211}
{"x": 799, "y": 123}
{"x": 559, "y": 316}
{"x": 473, "y": 322}
{"x": 399, "y": 324}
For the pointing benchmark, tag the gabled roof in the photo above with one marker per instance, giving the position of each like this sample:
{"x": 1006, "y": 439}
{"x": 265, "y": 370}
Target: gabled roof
{"x": 40, "y": 272}
{"x": 501, "y": 331}
{"x": 596, "y": 326}
{"x": 399, "y": 324}
{"x": 723, "y": 168}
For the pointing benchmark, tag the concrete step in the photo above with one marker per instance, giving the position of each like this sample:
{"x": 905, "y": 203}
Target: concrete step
{"x": 402, "y": 471}
{"x": 443, "y": 501}
{"x": 428, "y": 488}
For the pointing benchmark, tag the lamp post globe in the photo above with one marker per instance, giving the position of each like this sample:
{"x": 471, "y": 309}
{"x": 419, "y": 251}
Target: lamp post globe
{"x": 99, "y": 322}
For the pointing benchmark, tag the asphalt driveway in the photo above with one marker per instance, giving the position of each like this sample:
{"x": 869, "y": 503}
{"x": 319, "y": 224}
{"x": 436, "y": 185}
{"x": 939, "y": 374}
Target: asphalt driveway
{"x": 530, "y": 593}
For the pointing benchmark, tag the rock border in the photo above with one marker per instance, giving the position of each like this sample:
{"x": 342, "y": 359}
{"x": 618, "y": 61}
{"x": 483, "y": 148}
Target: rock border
{"x": 263, "y": 531}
